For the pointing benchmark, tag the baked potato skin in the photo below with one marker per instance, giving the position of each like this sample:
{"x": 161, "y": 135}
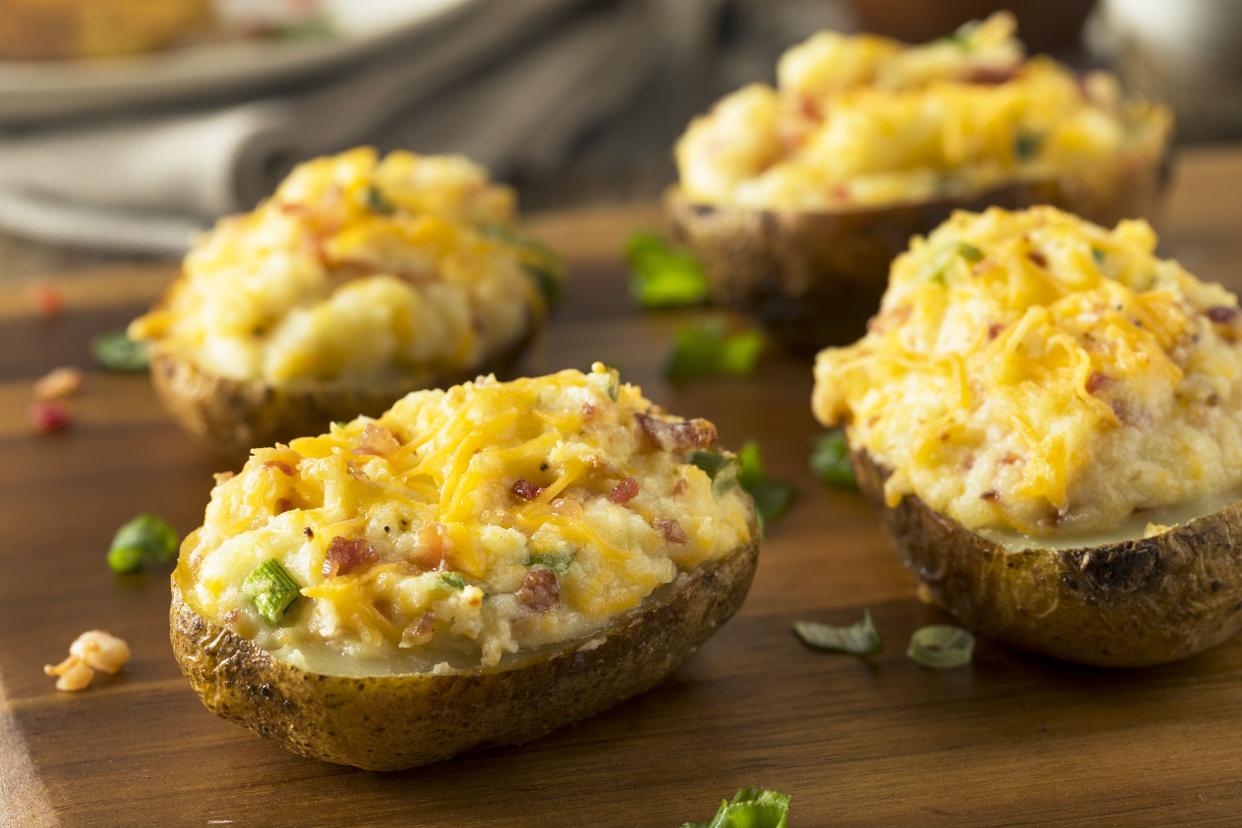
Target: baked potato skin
{"x": 813, "y": 278}
{"x": 235, "y": 415}
{"x": 1133, "y": 603}
{"x": 398, "y": 722}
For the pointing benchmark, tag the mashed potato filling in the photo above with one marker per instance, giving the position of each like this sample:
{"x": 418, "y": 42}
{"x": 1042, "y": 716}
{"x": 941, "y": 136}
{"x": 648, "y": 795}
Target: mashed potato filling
{"x": 466, "y": 524}
{"x": 864, "y": 120}
{"x": 356, "y": 270}
{"x": 1031, "y": 371}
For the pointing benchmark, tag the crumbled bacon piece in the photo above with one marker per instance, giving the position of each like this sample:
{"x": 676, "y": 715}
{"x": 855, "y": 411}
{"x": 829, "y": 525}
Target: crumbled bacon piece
{"x": 346, "y": 554}
{"x": 680, "y": 486}
{"x": 525, "y": 490}
{"x": 283, "y": 504}
{"x": 671, "y": 530}
{"x": 588, "y": 411}
{"x": 420, "y": 632}
{"x": 677, "y": 435}
{"x": 990, "y": 496}
{"x": 540, "y": 591}
{"x": 1221, "y": 314}
{"x": 48, "y": 301}
{"x": 994, "y": 330}
{"x": 991, "y": 75}
{"x": 279, "y": 465}
{"x": 49, "y": 418}
{"x": 625, "y": 491}
{"x": 430, "y": 552}
{"x": 1096, "y": 381}
{"x": 59, "y": 382}
{"x": 1038, "y": 258}
{"x": 377, "y": 440}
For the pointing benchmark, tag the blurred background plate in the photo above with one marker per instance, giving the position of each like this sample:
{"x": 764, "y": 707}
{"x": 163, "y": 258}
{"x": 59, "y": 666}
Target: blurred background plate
{"x": 340, "y": 31}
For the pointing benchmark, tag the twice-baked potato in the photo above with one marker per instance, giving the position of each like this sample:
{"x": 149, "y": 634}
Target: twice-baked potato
{"x": 476, "y": 567}
{"x": 357, "y": 282}
{"x": 798, "y": 198}
{"x": 1049, "y": 419}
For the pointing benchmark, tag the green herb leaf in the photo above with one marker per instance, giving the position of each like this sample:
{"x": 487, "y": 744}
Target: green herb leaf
{"x": 706, "y": 350}
{"x": 124, "y": 559}
{"x": 664, "y": 276}
{"x": 377, "y": 202}
{"x": 452, "y": 579}
{"x": 860, "y": 638}
{"x": 271, "y": 589}
{"x": 830, "y": 460}
{"x": 772, "y": 497}
{"x": 1027, "y": 143}
{"x": 941, "y": 647}
{"x": 750, "y": 808}
{"x": 1098, "y": 255}
{"x": 117, "y": 352}
{"x": 152, "y": 539}
{"x": 721, "y": 467}
{"x": 614, "y": 384}
{"x": 558, "y": 562}
{"x": 969, "y": 252}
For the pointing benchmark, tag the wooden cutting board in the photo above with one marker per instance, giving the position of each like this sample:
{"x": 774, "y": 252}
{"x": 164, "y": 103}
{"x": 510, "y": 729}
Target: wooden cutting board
{"x": 1013, "y": 739}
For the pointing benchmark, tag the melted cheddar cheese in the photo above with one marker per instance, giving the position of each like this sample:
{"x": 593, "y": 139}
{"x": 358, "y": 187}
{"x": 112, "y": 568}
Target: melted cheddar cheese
{"x": 466, "y": 524}
{"x": 356, "y": 270}
{"x": 864, "y": 120}
{"x": 1030, "y": 371}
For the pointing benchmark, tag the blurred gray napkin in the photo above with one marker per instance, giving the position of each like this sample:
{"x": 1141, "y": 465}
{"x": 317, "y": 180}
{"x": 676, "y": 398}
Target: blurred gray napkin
{"x": 513, "y": 86}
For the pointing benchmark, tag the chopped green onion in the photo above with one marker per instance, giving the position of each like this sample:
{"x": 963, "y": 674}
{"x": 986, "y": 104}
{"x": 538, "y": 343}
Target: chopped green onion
{"x": 969, "y": 252}
{"x": 830, "y": 460}
{"x": 941, "y": 647}
{"x": 271, "y": 589}
{"x": 706, "y": 350}
{"x": 712, "y": 462}
{"x": 772, "y": 497}
{"x": 117, "y": 352}
{"x": 377, "y": 202}
{"x": 1027, "y": 143}
{"x": 750, "y": 808}
{"x": 614, "y": 384}
{"x": 555, "y": 561}
{"x": 664, "y": 276}
{"x": 1098, "y": 255}
{"x": 146, "y": 539}
{"x": 860, "y": 638}
{"x": 124, "y": 559}
{"x": 452, "y": 579}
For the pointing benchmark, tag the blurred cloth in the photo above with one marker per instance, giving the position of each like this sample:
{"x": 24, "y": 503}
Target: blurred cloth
{"x": 511, "y": 84}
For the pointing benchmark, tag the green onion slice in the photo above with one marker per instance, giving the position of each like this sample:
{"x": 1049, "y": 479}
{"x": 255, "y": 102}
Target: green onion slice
{"x": 941, "y": 647}
{"x": 558, "y": 562}
{"x": 707, "y": 350}
{"x": 124, "y": 559}
{"x": 830, "y": 460}
{"x": 117, "y": 352}
{"x": 153, "y": 537}
{"x": 860, "y": 638}
{"x": 664, "y": 276}
{"x": 378, "y": 203}
{"x": 750, "y": 808}
{"x": 452, "y": 579}
{"x": 969, "y": 252}
{"x": 772, "y": 497}
{"x": 271, "y": 589}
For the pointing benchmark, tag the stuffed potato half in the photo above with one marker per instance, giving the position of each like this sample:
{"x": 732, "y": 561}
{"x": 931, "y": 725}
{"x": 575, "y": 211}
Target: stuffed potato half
{"x": 359, "y": 280}
{"x": 476, "y": 567}
{"x": 797, "y": 198}
{"x": 1049, "y": 419}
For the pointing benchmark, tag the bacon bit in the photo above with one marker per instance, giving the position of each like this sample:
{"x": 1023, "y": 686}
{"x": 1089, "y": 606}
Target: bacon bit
{"x": 49, "y": 418}
{"x": 431, "y": 547}
{"x": 991, "y": 75}
{"x": 671, "y": 530}
{"x": 1009, "y": 458}
{"x": 280, "y": 465}
{"x": 677, "y": 435}
{"x": 48, "y": 301}
{"x": 990, "y": 496}
{"x": 59, "y": 382}
{"x": 377, "y": 440}
{"x": 540, "y": 591}
{"x": 1038, "y": 258}
{"x": 223, "y": 477}
{"x": 625, "y": 491}
{"x": 588, "y": 410}
{"x": 680, "y": 486}
{"x": 1212, "y": 400}
{"x": 523, "y": 489}
{"x": 1096, "y": 381}
{"x": 994, "y": 330}
{"x": 309, "y": 532}
{"x": 346, "y": 554}
{"x": 356, "y": 472}
{"x": 283, "y": 504}
{"x": 420, "y": 632}
{"x": 1221, "y": 314}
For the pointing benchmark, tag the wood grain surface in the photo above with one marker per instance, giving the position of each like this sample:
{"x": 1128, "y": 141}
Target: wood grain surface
{"x": 1012, "y": 740}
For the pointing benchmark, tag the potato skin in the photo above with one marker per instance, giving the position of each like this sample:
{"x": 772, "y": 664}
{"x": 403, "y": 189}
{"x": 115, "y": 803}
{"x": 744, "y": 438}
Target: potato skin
{"x": 398, "y": 722}
{"x": 813, "y": 278}
{"x": 1128, "y": 604}
{"x": 235, "y": 415}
